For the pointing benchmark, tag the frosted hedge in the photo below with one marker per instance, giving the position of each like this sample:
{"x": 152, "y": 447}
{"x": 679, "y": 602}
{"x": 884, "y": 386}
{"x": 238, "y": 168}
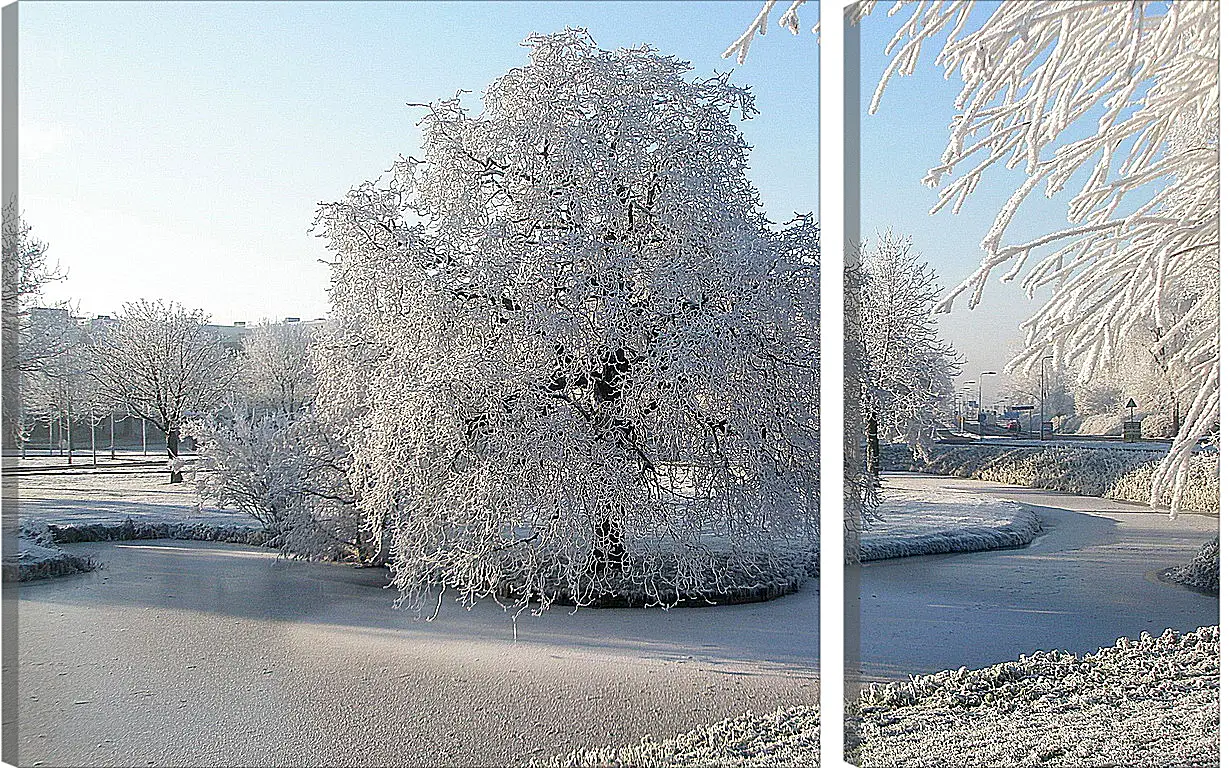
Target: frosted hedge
{"x": 1104, "y": 472}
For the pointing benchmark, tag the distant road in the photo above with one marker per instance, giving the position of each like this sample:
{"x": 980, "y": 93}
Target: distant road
{"x": 1065, "y": 441}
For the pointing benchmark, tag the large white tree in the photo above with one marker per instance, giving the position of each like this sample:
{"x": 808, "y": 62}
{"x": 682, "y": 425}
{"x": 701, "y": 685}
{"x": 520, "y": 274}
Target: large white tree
{"x": 162, "y": 364}
{"x": 573, "y": 355}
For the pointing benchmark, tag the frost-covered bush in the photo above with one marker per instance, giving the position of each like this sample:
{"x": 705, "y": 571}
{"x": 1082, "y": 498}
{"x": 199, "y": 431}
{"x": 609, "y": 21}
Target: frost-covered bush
{"x": 569, "y": 352}
{"x": 132, "y": 530}
{"x": 1202, "y": 571}
{"x": 289, "y": 474}
{"x": 1111, "y": 473}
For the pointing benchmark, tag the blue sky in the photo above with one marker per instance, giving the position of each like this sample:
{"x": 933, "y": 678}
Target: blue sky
{"x": 178, "y": 150}
{"x": 900, "y": 143}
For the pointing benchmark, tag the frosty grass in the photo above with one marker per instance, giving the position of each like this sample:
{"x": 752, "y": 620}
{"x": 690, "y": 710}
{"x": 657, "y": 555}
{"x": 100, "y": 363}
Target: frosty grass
{"x": 1150, "y": 702}
{"x": 1202, "y": 571}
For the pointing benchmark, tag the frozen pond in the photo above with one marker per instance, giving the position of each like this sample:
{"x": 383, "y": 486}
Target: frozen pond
{"x": 188, "y": 653}
{"x": 1089, "y": 579}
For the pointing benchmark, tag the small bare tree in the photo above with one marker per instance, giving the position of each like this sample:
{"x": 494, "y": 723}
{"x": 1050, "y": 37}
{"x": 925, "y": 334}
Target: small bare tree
{"x": 161, "y": 362}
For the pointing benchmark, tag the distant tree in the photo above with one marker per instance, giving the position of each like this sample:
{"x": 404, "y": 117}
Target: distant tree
{"x": 25, "y": 274}
{"x": 861, "y": 490}
{"x": 570, "y": 352}
{"x": 63, "y": 386}
{"x": 26, "y": 270}
{"x": 275, "y": 367}
{"x": 1022, "y": 385}
{"x": 908, "y": 368}
{"x": 163, "y": 365}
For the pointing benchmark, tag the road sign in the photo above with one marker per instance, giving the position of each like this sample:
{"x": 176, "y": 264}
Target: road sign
{"x": 1131, "y": 403}
{"x": 1020, "y": 408}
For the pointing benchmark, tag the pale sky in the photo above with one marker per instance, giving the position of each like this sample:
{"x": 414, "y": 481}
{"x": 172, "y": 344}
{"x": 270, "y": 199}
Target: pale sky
{"x": 900, "y": 144}
{"x": 179, "y": 150}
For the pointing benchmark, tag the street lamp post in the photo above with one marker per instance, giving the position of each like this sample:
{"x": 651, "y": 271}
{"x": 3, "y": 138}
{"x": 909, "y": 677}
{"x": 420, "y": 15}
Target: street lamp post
{"x": 980, "y": 377}
{"x": 1041, "y": 413}
{"x": 964, "y": 393}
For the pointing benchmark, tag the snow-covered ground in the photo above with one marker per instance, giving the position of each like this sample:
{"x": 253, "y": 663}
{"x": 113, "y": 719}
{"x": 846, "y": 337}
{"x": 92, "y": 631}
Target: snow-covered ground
{"x": 121, "y": 501}
{"x": 98, "y": 496}
{"x": 1108, "y": 472}
{"x": 185, "y": 653}
{"x": 37, "y": 556}
{"x": 786, "y": 738}
{"x": 1064, "y": 441}
{"x": 911, "y": 522}
{"x": 1149, "y": 702}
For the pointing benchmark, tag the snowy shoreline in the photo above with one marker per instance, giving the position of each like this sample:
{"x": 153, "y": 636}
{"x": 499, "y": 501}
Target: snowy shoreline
{"x": 1159, "y": 695}
{"x": 909, "y": 523}
{"x": 39, "y": 555}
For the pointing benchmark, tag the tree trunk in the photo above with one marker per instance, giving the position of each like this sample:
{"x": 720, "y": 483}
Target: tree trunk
{"x": 172, "y": 452}
{"x": 609, "y": 551}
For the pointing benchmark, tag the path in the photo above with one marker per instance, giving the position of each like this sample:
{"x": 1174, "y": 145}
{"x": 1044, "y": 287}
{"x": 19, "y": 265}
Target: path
{"x": 1089, "y": 579}
{"x": 187, "y": 653}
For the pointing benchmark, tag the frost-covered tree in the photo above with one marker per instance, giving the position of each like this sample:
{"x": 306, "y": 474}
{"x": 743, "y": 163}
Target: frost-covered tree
{"x": 788, "y": 19}
{"x": 860, "y": 488}
{"x": 63, "y": 387}
{"x": 1125, "y": 97}
{"x": 908, "y": 369}
{"x": 162, "y": 364}
{"x": 570, "y": 354}
{"x": 275, "y": 367}
{"x": 25, "y": 273}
